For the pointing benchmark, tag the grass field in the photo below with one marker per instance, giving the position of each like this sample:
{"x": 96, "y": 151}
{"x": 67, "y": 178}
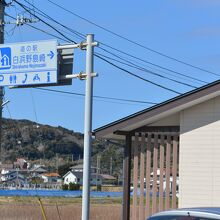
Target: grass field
{"x": 28, "y": 208}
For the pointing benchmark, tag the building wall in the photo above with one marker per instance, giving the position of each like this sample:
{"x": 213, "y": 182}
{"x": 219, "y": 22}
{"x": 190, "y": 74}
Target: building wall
{"x": 199, "y": 166}
{"x": 93, "y": 181}
{"x": 70, "y": 179}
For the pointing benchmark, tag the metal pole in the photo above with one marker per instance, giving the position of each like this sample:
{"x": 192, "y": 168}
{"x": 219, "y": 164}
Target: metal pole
{"x": 87, "y": 129}
{"x": 72, "y": 46}
{"x": 2, "y": 12}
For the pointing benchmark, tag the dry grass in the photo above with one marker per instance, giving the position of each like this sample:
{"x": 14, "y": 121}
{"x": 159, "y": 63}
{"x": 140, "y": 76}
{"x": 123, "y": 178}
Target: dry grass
{"x": 56, "y": 209}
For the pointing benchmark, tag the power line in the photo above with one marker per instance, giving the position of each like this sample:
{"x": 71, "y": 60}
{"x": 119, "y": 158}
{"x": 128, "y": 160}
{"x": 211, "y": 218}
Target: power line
{"x": 21, "y": 5}
{"x": 156, "y": 84}
{"x": 83, "y": 37}
{"x": 137, "y": 63}
{"x": 105, "y": 59}
{"x": 139, "y": 77}
{"x": 43, "y": 31}
{"x": 46, "y": 16}
{"x": 100, "y": 97}
{"x": 46, "y": 32}
{"x": 147, "y": 71}
{"x": 78, "y": 34}
{"x": 136, "y": 75}
{"x": 132, "y": 41}
{"x": 40, "y": 12}
{"x": 153, "y": 64}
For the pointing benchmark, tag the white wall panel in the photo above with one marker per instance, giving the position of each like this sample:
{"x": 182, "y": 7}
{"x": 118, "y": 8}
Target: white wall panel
{"x": 199, "y": 167}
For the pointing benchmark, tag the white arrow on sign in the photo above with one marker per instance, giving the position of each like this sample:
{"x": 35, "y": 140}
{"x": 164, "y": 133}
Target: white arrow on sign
{"x": 51, "y": 54}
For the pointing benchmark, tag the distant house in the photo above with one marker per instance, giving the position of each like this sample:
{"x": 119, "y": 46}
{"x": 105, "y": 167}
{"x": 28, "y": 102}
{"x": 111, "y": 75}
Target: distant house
{"x": 6, "y": 166}
{"x": 164, "y": 179}
{"x": 18, "y": 181}
{"x": 21, "y": 163}
{"x": 37, "y": 171}
{"x": 77, "y": 178}
{"x": 95, "y": 179}
{"x": 70, "y": 177}
{"x": 108, "y": 179}
{"x": 50, "y": 177}
{"x": 79, "y": 168}
{"x": 7, "y": 174}
{"x": 13, "y": 177}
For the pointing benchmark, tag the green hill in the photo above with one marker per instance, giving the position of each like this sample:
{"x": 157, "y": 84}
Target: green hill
{"x": 23, "y": 138}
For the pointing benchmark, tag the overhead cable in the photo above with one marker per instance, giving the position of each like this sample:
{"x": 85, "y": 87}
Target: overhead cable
{"x": 130, "y": 73}
{"x": 83, "y": 37}
{"x": 139, "y": 77}
{"x": 134, "y": 42}
{"x": 100, "y": 97}
{"x": 41, "y": 30}
{"x": 152, "y": 68}
{"x": 153, "y": 64}
{"x": 43, "y": 14}
{"x": 147, "y": 71}
{"x": 46, "y": 23}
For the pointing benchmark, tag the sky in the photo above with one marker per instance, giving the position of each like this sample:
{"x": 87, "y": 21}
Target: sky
{"x": 186, "y": 30}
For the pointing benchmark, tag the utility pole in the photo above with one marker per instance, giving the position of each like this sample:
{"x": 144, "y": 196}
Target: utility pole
{"x": 87, "y": 128}
{"x": 2, "y": 12}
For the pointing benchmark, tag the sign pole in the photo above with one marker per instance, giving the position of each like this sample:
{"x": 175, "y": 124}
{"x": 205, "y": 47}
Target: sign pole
{"x": 87, "y": 128}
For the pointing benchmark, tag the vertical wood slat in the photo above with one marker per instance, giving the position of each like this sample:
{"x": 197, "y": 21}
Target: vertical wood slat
{"x": 155, "y": 158}
{"x": 140, "y": 212}
{"x": 148, "y": 170}
{"x": 161, "y": 206}
{"x": 127, "y": 179}
{"x": 141, "y": 203}
{"x": 135, "y": 178}
{"x": 168, "y": 151}
{"x": 174, "y": 171}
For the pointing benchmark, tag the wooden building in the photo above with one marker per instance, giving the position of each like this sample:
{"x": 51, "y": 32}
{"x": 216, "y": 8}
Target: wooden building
{"x": 179, "y": 136}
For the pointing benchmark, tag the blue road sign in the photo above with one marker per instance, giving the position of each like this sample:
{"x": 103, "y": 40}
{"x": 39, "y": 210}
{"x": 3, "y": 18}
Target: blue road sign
{"x": 5, "y": 58}
{"x": 28, "y": 63}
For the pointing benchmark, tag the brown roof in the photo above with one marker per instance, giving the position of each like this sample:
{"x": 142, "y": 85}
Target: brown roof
{"x": 51, "y": 174}
{"x": 107, "y": 177}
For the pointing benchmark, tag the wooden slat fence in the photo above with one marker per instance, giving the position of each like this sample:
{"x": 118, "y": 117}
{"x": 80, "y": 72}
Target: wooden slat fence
{"x": 154, "y": 173}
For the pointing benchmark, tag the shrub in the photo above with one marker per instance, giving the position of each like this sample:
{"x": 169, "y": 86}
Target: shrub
{"x": 73, "y": 186}
{"x": 65, "y": 187}
{"x": 99, "y": 188}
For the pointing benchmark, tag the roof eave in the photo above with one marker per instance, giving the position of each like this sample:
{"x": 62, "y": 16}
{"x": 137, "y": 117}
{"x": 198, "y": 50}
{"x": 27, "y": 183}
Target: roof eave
{"x": 157, "y": 112}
